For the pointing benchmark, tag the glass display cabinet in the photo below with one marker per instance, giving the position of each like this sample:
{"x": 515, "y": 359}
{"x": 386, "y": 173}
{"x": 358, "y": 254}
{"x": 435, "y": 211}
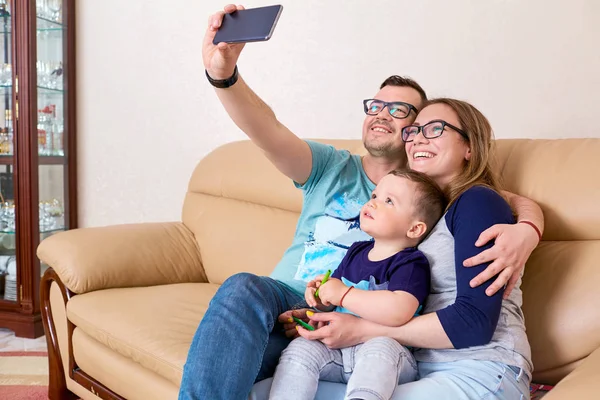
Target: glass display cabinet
{"x": 37, "y": 148}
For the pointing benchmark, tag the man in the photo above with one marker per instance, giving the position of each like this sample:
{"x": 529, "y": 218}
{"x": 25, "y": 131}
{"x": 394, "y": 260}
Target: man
{"x": 335, "y": 185}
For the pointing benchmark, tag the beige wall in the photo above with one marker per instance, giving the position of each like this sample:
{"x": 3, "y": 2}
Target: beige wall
{"x": 147, "y": 114}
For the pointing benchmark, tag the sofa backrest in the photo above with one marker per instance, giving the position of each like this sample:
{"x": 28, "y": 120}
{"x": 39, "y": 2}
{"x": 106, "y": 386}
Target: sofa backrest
{"x": 243, "y": 213}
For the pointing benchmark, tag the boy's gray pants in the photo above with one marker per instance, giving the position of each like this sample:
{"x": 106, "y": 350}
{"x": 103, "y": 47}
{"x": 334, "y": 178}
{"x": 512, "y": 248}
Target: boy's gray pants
{"x": 372, "y": 370}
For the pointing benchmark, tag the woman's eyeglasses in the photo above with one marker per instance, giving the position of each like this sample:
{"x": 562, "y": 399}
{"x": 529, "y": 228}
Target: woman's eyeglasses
{"x": 431, "y": 130}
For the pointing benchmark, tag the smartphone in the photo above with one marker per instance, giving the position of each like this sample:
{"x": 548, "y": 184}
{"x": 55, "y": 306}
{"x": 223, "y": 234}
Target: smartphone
{"x": 252, "y": 25}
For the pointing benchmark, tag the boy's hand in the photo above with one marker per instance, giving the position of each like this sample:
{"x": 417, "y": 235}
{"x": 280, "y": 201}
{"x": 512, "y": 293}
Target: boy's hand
{"x": 311, "y": 289}
{"x": 331, "y": 292}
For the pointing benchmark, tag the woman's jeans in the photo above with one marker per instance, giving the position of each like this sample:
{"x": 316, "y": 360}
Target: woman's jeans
{"x": 458, "y": 380}
{"x": 235, "y": 345}
{"x": 372, "y": 370}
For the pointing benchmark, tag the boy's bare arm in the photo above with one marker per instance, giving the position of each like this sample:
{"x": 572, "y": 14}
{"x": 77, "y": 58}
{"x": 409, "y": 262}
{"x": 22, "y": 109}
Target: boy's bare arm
{"x": 382, "y": 306}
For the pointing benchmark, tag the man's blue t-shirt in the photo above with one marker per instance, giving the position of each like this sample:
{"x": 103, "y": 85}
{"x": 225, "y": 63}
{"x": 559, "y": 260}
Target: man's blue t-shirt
{"x": 407, "y": 270}
{"x": 329, "y": 222}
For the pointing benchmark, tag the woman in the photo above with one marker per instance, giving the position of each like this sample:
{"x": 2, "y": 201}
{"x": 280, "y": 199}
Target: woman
{"x": 469, "y": 345}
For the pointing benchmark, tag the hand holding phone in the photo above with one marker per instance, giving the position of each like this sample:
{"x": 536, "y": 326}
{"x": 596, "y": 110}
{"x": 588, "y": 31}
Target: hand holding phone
{"x": 252, "y": 25}
{"x": 229, "y": 30}
{"x": 220, "y": 60}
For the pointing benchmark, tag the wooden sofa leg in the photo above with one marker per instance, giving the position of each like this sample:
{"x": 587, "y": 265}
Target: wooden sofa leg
{"x": 57, "y": 387}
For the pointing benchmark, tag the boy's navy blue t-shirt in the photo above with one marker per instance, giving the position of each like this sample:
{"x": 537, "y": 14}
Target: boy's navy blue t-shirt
{"x": 407, "y": 270}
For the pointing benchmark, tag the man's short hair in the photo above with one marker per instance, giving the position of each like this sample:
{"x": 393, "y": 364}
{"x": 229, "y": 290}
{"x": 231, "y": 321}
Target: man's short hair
{"x": 430, "y": 199}
{"x": 404, "y": 81}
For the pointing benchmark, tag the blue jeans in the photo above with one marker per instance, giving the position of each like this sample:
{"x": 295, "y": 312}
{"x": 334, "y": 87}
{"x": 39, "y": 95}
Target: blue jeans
{"x": 458, "y": 380}
{"x": 235, "y": 344}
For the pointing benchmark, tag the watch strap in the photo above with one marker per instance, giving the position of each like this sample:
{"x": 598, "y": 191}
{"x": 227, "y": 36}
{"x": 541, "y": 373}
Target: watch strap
{"x": 224, "y": 83}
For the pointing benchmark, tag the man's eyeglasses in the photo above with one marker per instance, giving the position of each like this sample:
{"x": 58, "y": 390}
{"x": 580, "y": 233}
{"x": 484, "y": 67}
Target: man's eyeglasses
{"x": 431, "y": 130}
{"x": 397, "y": 109}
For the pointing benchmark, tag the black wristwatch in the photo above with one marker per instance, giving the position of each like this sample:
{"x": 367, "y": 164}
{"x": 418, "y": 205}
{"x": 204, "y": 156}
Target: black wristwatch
{"x": 223, "y": 83}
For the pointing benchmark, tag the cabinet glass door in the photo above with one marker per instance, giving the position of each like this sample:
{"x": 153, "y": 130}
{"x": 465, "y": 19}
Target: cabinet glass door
{"x": 8, "y": 265}
{"x": 51, "y": 115}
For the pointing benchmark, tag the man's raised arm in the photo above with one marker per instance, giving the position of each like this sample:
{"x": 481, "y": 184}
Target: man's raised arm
{"x": 290, "y": 154}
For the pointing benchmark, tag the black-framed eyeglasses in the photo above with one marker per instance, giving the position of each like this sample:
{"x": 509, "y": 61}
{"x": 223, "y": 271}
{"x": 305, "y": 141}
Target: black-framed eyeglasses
{"x": 431, "y": 130}
{"x": 397, "y": 109}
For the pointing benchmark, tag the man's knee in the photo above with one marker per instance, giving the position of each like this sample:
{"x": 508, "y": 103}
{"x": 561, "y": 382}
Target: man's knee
{"x": 244, "y": 284}
{"x": 248, "y": 293}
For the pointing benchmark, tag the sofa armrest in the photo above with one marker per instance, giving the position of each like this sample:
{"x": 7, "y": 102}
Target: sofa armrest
{"x": 124, "y": 256}
{"x": 582, "y": 383}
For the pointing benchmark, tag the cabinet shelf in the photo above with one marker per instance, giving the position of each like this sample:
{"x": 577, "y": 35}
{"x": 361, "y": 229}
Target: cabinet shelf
{"x": 43, "y": 231}
{"x": 43, "y": 25}
{"x": 42, "y": 160}
{"x": 7, "y": 89}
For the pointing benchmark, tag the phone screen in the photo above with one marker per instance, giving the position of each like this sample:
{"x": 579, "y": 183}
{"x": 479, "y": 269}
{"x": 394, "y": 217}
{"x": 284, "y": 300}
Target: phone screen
{"x": 252, "y": 25}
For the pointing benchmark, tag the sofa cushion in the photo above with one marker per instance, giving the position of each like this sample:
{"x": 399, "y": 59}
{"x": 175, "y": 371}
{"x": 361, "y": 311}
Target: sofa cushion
{"x": 560, "y": 292}
{"x": 120, "y": 374}
{"x": 153, "y": 325}
{"x": 214, "y": 223}
{"x": 560, "y": 175}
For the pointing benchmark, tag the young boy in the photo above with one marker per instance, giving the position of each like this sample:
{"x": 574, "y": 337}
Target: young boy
{"x": 385, "y": 281}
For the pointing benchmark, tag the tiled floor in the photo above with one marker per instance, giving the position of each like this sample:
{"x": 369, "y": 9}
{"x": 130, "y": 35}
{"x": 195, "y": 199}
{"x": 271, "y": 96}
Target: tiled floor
{"x": 8, "y": 342}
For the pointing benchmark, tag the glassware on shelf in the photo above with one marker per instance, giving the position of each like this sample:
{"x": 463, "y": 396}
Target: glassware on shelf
{"x": 9, "y": 241}
{"x": 50, "y": 132}
{"x": 54, "y": 10}
{"x": 6, "y": 135}
{"x": 56, "y": 75}
{"x": 43, "y": 130}
{"x": 40, "y": 8}
{"x": 44, "y": 215}
{"x": 57, "y": 134}
{"x": 4, "y": 142}
{"x": 10, "y": 288}
{"x": 50, "y": 74}
{"x": 42, "y": 73}
{"x": 49, "y": 9}
{"x": 7, "y": 216}
{"x": 5, "y": 74}
{"x": 51, "y": 215}
{"x": 4, "y": 8}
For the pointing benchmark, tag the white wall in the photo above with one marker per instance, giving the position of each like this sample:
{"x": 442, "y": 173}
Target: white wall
{"x": 146, "y": 114}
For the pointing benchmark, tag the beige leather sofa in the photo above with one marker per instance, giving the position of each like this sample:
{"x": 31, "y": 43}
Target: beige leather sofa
{"x": 121, "y": 303}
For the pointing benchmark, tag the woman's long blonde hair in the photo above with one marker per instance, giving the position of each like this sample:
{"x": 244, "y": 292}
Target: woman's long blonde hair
{"x": 478, "y": 170}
